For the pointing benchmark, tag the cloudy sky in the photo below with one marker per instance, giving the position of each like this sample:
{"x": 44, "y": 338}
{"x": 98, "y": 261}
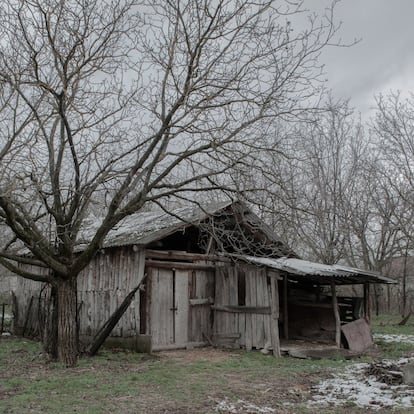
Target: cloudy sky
{"x": 384, "y": 57}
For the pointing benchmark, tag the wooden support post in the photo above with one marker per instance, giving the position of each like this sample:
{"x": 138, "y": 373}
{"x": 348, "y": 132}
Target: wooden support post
{"x": 336, "y": 315}
{"x": 285, "y": 308}
{"x": 367, "y": 308}
{"x": 274, "y": 305}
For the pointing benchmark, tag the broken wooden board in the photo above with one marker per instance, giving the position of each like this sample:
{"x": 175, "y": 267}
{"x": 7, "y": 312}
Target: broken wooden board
{"x": 226, "y": 340}
{"x": 358, "y": 335}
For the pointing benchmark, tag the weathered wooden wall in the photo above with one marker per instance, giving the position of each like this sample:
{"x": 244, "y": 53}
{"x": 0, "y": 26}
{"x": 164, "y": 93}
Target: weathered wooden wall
{"x": 8, "y": 282}
{"x": 178, "y": 303}
{"x": 104, "y": 284}
{"x": 202, "y": 292}
{"x": 30, "y": 298}
{"x": 242, "y": 306}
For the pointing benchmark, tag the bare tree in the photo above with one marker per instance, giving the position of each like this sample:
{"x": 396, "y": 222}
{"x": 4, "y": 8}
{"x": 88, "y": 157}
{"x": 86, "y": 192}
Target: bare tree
{"x": 307, "y": 189}
{"x": 393, "y": 128}
{"x": 133, "y": 102}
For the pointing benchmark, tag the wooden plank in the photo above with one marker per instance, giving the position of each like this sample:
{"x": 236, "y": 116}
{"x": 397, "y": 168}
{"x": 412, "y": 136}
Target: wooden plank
{"x": 317, "y": 305}
{"x": 178, "y": 265}
{"x": 182, "y": 255}
{"x": 139, "y": 273}
{"x": 336, "y": 315}
{"x": 267, "y": 318}
{"x": 358, "y": 335}
{"x": 192, "y": 323}
{"x": 248, "y": 316}
{"x": 209, "y": 292}
{"x": 274, "y": 304}
{"x": 261, "y": 281}
{"x": 258, "y": 310}
{"x": 148, "y": 304}
{"x": 201, "y": 301}
{"x": 367, "y": 308}
{"x": 218, "y": 317}
{"x": 182, "y": 307}
{"x": 162, "y": 321}
{"x": 285, "y": 308}
{"x": 253, "y": 301}
{"x": 106, "y": 329}
{"x": 233, "y": 301}
{"x": 242, "y": 300}
{"x": 227, "y": 339}
{"x": 203, "y": 312}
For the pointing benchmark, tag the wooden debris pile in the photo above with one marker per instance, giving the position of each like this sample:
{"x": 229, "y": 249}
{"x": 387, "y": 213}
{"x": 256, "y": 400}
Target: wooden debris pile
{"x": 390, "y": 374}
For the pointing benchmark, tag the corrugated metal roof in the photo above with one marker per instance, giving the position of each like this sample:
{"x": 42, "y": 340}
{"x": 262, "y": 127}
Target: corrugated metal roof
{"x": 298, "y": 269}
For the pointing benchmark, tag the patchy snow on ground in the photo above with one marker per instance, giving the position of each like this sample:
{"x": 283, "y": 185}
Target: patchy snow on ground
{"x": 241, "y": 406}
{"x": 408, "y": 339}
{"x": 355, "y": 387}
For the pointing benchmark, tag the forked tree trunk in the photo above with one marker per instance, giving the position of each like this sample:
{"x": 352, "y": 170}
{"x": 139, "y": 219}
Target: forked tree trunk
{"x": 68, "y": 338}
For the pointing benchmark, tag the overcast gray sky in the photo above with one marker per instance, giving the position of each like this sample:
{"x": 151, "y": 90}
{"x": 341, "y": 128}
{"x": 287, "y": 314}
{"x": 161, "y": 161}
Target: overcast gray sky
{"x": 382, "y": 60}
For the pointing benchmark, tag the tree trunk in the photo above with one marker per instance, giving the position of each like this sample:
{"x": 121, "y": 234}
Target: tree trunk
{"x": 68, "y": 338}
{"x": 50, "y": 329}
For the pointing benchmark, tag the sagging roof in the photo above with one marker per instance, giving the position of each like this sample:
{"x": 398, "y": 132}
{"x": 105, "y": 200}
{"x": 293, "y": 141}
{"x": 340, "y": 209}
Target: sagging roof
{"x": 304, "y": 270}
{"x": 144, "y": 228}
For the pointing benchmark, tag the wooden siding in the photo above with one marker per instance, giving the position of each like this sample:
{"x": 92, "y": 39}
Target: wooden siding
{"x": 102, "y": 287}
{"x": 179, "y": 306}
{"x": 248, "y": 316}
{"x": 30, "y": 295}
{"x": 201, "y": 295}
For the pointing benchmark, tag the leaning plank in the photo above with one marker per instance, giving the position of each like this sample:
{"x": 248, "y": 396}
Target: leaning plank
{"x": 109, "y": 325}
{"x": 405, "y": 320}
{"x": 358, "y": 335}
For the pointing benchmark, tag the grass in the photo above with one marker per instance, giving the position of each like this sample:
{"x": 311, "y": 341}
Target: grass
{"x": 388, "y": 324}
{"x": 122, "y": 382}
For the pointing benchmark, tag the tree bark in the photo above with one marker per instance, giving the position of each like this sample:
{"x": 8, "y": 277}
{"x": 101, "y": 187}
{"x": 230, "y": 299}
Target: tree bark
{"x": 68, "y": 338}
{"x": 50, "y": 329}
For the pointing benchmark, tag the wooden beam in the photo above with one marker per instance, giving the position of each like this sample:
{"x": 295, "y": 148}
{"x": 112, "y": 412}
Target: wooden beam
{"x": 109, "y": 325}
{"x": 318, "y": 305}
{"x": 261, "y": 310}
{"x": 274, "y": 305}
{"x": 178, "y": 265}
{"x": 336, "y": 315}
{"x": 285, "y": 308}
{"x": 201, "y": 301}
{"x": 367, "y": 308}
{"x": 182, "y": 255}
{"x": 275, "y": 274}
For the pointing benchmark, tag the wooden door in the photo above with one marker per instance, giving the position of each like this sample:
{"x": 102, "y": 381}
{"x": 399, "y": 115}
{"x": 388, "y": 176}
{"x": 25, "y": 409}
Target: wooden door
{"x": 169, "y": 308}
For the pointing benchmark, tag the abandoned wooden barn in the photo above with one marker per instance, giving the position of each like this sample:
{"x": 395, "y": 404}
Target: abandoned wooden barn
{"x": 208, "y": 275}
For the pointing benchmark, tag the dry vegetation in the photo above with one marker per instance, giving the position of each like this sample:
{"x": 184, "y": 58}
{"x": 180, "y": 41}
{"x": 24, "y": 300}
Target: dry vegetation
{"x": 194, "y": 381}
